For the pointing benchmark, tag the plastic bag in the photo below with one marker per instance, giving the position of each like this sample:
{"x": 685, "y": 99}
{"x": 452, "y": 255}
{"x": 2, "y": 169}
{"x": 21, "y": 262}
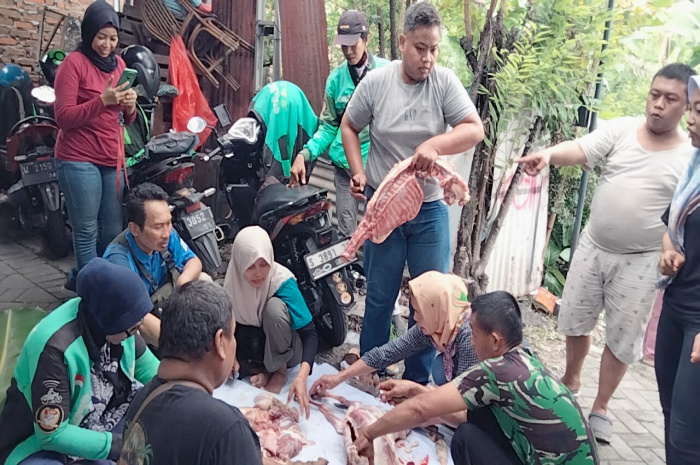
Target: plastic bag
{"x": 191, "y": 101}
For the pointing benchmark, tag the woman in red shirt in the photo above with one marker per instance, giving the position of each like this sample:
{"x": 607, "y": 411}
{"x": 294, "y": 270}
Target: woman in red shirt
{"x": 90, "y": 148}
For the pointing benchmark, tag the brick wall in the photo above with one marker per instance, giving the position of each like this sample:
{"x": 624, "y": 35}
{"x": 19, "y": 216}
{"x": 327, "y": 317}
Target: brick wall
{"x": 19, "y": 28}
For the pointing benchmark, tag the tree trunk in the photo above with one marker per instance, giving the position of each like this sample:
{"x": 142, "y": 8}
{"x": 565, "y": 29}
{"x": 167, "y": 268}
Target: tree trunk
{"x": 393, "y": 20}
{"x": 380, "y": 28}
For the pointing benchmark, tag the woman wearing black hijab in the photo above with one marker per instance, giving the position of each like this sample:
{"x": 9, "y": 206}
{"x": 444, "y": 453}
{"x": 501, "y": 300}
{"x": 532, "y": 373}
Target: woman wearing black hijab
{"x": 77, "y": 373}
{"x": 90, "y": 145}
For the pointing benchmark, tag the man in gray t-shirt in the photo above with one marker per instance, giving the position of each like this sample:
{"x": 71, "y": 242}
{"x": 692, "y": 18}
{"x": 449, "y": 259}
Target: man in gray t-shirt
{"x": 408, "y": 106}
{"x": 615, "y": 263}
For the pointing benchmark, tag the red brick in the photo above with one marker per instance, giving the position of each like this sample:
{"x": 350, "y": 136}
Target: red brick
{"x": 10, "y": 13}
{"x": 5, "y": 21}
{"x": 39, "y": 2}
{"x": 7, "y": 41}
{"x": 24, "y": 25}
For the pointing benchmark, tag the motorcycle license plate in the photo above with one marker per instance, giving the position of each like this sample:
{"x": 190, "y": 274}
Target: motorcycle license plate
{"x": 199, "y": 223}
{"x": 325, "y": 261}
{"x": 38, "y": 172}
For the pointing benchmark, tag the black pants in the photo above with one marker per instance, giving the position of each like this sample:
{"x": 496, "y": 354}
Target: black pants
{"x": 679, "y": 382}
{"x": 481, "y": 441}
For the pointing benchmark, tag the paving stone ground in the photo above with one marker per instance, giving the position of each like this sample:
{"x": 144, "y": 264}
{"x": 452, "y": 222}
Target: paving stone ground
{"x": 29, "y": 277}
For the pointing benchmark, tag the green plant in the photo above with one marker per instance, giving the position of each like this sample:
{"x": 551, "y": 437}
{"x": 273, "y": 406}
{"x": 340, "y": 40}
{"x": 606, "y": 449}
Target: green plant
{"x": 557, "y": 258}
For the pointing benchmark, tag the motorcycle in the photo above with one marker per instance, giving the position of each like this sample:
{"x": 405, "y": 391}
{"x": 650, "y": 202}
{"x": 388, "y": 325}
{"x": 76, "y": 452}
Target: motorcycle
{"x": 29, "y": 158}
{"x": 297, "y": 220}
{"x": 168, "y": 164}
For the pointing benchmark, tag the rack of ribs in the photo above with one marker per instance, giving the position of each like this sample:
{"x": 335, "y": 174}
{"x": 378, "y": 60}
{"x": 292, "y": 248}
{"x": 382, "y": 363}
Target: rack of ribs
{"x": 360, "y": 416}
{"x": 398, "y": 200}
{"x": 277, "y": 426}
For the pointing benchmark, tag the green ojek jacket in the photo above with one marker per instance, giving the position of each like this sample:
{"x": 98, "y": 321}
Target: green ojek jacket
{"x": 288, "y": 118}
{"x": 53, "y": 377}
{"x": 339, "y": 89}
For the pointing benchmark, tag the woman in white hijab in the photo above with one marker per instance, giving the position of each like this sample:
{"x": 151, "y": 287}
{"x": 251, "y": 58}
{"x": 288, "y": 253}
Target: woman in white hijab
{"x": 266, "y": 297}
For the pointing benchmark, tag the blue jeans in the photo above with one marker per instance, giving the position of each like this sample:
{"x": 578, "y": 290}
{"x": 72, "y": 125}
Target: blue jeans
{"x": 94, "y": 207}
{"x": 678, "y": 381}
{"x": 45, "y": 457}
{"x": 423, "y": 242}
{"x": 438, "y": 370}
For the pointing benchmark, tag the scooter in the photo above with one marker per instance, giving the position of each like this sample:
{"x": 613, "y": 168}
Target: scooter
{"x": 29, "y": 158}
{"x": 168, "y": 164}
{"x": 298, "y": 222}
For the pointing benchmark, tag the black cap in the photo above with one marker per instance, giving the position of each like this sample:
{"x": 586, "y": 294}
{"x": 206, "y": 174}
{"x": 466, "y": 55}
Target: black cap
{"x": 351, "y": 25}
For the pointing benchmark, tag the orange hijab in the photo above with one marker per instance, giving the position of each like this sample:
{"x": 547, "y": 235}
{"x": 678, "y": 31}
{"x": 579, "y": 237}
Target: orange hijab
{"x": 440, "y": 303}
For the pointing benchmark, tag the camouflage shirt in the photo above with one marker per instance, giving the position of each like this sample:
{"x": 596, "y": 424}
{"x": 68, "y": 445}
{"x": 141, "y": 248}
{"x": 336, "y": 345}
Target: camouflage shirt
{"x": 535, "y": 411}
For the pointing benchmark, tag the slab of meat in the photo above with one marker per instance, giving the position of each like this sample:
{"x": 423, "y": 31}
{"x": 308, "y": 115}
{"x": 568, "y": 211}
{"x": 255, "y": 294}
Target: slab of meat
{"x": 440, "y": 445}
{"x": 360, "y": 416}
{"x": 277, "y": 426}
{"x": 398, "y": 200}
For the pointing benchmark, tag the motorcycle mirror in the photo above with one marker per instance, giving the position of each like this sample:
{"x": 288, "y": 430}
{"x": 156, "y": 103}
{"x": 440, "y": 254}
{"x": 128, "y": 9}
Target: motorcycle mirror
{"x": 44, "y": 94}
{"x": 196, "y": 124}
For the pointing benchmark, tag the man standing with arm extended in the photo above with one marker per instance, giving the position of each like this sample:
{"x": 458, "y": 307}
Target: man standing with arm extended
{"x": 615, "y": 263}
{"x": 408, "y": 106}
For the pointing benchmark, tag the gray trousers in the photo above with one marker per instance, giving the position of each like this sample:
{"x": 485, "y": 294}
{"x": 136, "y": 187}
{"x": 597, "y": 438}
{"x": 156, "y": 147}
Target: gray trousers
{"x": 282, "y": 343}
{"x": 346, "y": 207}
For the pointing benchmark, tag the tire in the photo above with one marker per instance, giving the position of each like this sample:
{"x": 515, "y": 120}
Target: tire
{"x": 55, "y": 234}
{"x": 331, "y": 324}
{"x": 207, "y": 250}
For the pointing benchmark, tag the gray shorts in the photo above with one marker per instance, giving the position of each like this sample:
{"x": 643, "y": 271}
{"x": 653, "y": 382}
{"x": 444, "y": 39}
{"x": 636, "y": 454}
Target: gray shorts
{"x": 623, "y": 284}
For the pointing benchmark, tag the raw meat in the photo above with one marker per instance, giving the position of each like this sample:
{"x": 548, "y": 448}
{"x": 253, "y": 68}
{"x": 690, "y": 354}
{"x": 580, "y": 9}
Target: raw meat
{"x": 360, "y": 416}
{"x": 277, "y": 426}
{"x": 398, "y": 200}
{"x": 440, "y": 445}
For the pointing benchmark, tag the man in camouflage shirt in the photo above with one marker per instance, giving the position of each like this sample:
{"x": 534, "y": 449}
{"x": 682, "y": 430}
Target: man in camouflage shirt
{"x": 517, "y": 412}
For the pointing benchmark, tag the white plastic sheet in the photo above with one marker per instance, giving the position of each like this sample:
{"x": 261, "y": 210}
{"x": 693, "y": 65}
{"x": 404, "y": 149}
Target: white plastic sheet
{"x": 327, "y": 443}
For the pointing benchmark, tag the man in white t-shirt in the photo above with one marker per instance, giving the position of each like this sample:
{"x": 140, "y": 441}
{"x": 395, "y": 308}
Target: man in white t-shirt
{"x": 615, "y": 263}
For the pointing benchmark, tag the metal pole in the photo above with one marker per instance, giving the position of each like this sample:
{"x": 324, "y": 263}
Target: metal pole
{"x": 277, "y": 37}
{"x": 591, "y": 127}
{"x": 259, "y": 44}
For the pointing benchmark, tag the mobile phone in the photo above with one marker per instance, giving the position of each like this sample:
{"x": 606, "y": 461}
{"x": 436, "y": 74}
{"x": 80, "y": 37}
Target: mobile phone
{"x": 128, "y": 75}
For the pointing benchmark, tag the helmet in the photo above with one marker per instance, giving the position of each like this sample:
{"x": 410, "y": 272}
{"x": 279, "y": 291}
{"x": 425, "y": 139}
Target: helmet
{"x": 246, "y": 136}
{"x": 49, "y": 64}
{"x": 142, "y": 60}
{"x": 12, "y": 75}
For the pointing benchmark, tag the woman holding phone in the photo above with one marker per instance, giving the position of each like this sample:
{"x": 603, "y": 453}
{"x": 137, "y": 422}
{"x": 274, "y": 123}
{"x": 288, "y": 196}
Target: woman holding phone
{"x": 90, "y": 107}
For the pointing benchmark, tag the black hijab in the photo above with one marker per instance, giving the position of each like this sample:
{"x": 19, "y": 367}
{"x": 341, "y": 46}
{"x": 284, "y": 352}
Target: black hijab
{"x": 98, "y": 15}
{"x": 113, "y": 299}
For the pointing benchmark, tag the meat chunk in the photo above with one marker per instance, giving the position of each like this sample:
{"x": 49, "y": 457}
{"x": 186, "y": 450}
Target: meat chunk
{"x": 360, "y": 416}
{"x": 277, "y": 426}
{"x": 398, "y": 200}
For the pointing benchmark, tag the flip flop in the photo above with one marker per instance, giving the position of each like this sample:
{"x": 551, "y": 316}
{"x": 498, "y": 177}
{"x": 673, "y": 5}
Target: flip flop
{"x": 601, "y": 426}
{"x": 575, "y": 393}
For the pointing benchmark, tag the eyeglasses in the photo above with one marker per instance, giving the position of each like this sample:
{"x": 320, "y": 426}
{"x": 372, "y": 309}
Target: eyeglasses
{"x": 131, "y": 331}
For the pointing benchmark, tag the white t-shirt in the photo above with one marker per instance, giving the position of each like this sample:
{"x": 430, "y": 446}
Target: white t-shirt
{"x": 636, "y": 187}
{"x": 402, "y": 116}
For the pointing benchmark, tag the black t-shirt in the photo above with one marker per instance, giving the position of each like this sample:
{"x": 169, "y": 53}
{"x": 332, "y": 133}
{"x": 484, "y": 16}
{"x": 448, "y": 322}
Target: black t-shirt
{"x": 683, "y": 294}
{"x": 185, "y": 425}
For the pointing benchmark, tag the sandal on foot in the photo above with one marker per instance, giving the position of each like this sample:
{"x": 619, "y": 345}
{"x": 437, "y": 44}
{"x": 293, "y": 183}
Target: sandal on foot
{"x": 601, "y": 426}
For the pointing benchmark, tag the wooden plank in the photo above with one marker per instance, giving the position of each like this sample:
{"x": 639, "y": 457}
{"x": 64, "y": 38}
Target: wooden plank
{"x": 133, "y": 12}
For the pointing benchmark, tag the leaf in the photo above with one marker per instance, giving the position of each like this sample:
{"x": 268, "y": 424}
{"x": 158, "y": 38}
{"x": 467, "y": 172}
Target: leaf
{"x": 566, "y": 254}
{"x": 551, "y": 255}
{"x": 553, "y": 285}
{"x": 15, "y": 325}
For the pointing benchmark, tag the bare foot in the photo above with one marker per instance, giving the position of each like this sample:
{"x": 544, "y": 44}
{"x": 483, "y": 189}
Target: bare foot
{"x": 574, "y": 385}
{"x": 277, "y": 381}
{"x": 259, "y": 380}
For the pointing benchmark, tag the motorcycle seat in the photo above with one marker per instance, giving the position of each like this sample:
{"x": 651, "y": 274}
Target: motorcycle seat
{"x": 278, "y": 195}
